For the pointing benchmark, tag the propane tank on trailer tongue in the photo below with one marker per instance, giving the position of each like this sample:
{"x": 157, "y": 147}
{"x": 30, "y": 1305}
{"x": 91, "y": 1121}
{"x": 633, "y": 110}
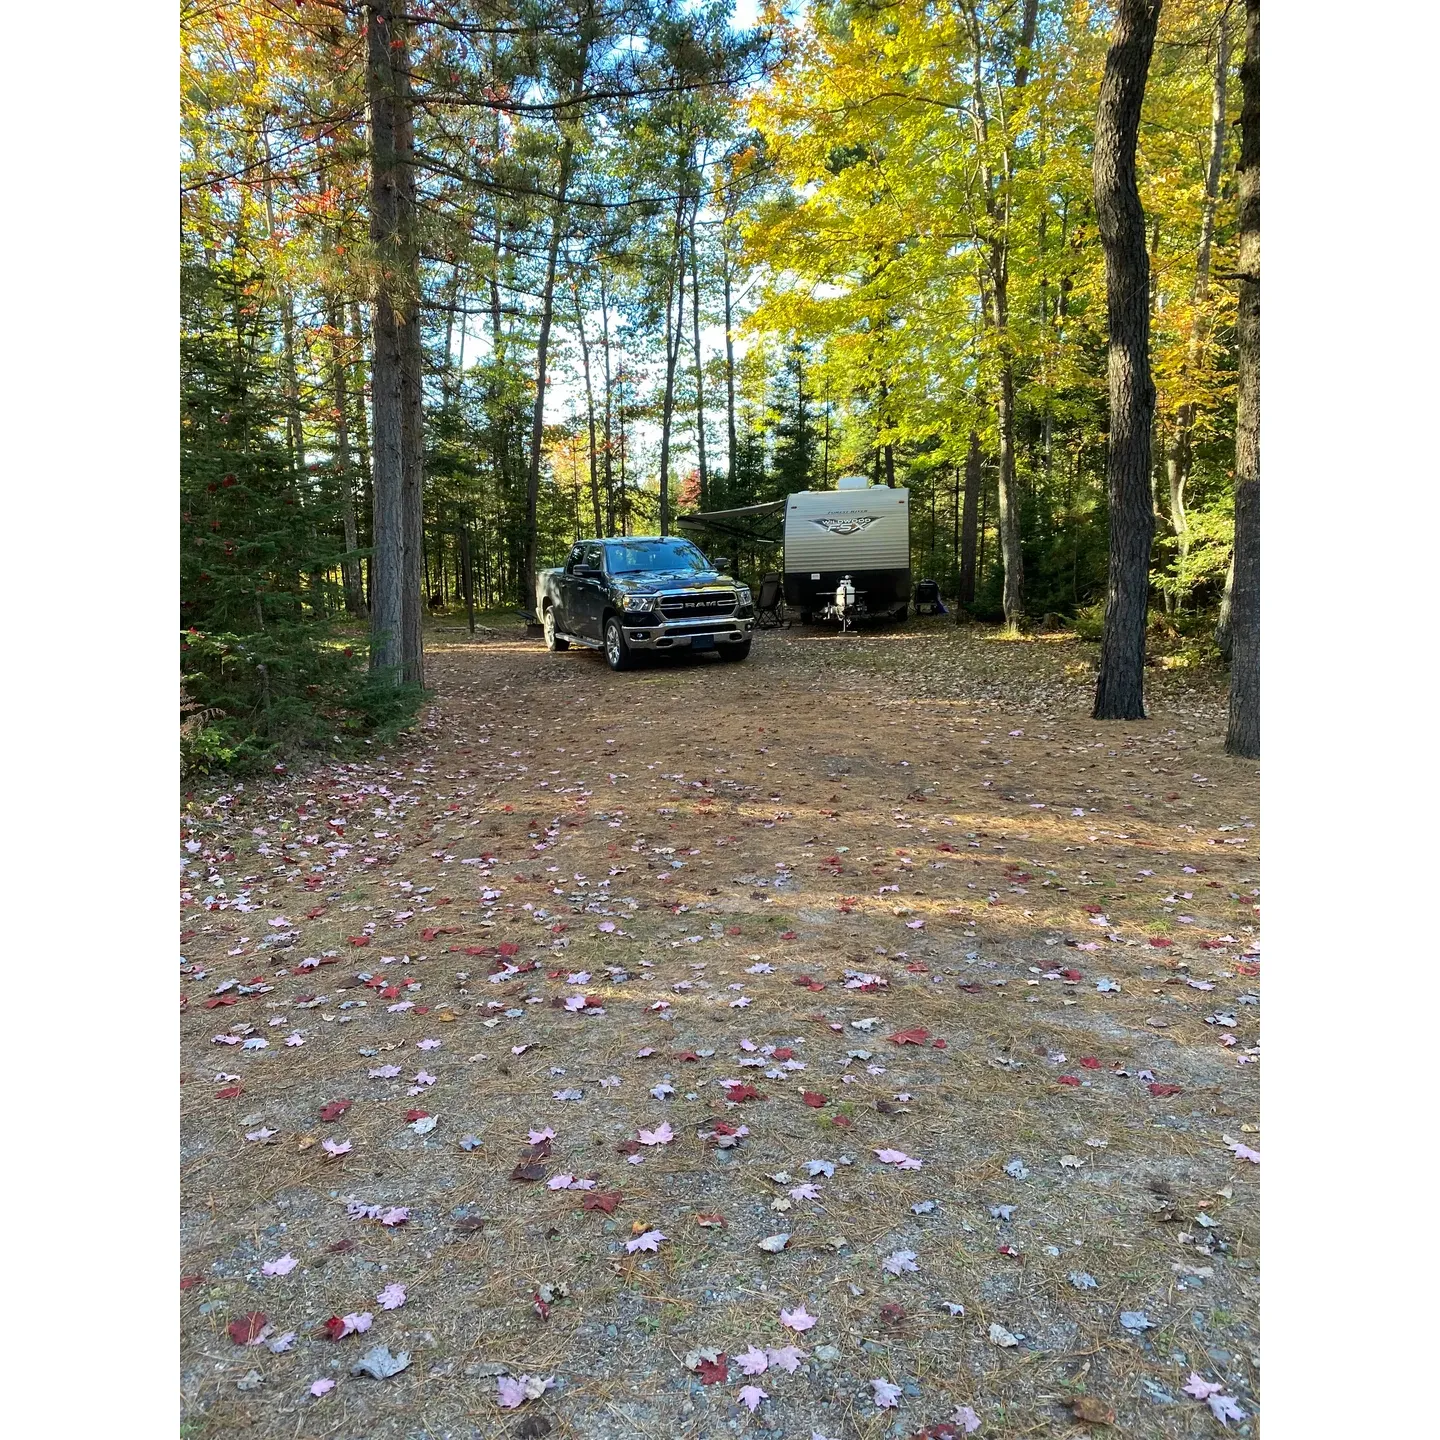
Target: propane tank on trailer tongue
{"x": 845, "y": 601}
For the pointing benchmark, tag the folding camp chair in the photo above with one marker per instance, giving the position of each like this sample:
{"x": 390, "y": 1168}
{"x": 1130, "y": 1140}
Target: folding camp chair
{"x": 770, "y": 602}
{"x": 927, "y": 595}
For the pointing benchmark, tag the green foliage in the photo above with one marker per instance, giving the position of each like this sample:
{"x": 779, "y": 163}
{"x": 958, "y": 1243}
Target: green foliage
{"x": 259, "y": 546}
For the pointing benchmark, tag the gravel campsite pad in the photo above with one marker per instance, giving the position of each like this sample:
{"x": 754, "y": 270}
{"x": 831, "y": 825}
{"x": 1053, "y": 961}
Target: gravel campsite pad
{"x": 858, "y": 1041}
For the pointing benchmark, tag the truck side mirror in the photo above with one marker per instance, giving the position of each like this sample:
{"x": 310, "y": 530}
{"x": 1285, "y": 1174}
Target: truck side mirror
{"x": 721, "y": 564}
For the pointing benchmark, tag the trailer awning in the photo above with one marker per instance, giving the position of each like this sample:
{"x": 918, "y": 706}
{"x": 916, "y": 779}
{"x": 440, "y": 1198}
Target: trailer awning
{"x": 745, "y": 523}
{"x": 745, "y": 512}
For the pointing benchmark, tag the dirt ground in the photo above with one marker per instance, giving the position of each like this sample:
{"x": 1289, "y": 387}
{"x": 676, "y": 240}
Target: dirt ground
{"x": 893, "y": 893}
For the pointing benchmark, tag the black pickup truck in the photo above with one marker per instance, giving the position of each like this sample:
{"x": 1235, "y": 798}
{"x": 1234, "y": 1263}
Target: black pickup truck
{"x": 644, "y": 592}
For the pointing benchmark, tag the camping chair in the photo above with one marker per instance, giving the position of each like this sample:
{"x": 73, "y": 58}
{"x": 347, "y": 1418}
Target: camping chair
{"x": 770, "y": 602}
{"x": 927, "y": 595}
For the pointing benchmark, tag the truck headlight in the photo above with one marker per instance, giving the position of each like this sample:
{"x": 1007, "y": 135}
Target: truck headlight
{"x": 638, "y": 602}
{"x": 742, "y": 594}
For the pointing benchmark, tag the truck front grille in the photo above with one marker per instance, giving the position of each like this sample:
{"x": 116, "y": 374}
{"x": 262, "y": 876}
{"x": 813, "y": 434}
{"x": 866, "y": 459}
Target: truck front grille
{"x": 684, "y": 606}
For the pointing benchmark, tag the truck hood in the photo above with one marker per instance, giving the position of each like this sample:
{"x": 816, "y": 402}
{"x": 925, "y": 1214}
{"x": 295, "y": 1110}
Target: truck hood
{"x": 654, "y": 580}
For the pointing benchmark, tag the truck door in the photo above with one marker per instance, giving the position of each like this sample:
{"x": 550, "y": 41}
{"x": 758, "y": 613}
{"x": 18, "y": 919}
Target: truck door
{"x": 565, "y": 588}
{"x": 588, "y": 591}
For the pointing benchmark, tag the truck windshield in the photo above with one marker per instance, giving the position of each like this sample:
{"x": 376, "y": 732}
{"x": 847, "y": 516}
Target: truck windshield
{"x": 666, "y": 555}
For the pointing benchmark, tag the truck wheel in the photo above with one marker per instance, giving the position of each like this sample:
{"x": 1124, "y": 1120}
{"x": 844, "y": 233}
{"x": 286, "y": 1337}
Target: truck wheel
{"x": 735, "y": 652}
{"x": 617, "y": 652}
{"x": 552, "y": 640}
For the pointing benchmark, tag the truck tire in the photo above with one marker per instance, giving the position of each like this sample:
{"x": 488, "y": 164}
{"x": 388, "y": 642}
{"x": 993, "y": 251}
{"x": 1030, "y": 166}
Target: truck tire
{"x": 617, "y": 653}
{"x": 552, "y": 640}
{"x": 735, "y": 652}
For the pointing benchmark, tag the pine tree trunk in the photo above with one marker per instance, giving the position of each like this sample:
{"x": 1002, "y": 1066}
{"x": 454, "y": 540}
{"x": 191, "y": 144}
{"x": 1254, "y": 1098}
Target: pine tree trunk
{"x": 537, "y": 424}
{"x": 412, "y": 375}
{"x": 729, "y": 378}
{"x": 1243, "y": 735}
{"x": 967, "y": 524}
{"x": 345, "y": 478}
{"x": 609, "y": 465}
{"x": 675, "y": 290}
{"x": 589, "y": 410}
{"x": 387, "y": 566}
{"x": 1120, "y": 690}
{"x": 699, "y": 364}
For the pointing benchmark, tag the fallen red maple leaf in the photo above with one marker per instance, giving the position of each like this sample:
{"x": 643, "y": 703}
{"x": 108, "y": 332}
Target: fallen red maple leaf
{"x": 1163, "y": 1090}
{"x": 916, "y": 1035}
{"x": 1090, "y": 1062}
{"x": 248, "y": 1327}
{"x": 1069, "y": 1079}
{"x": 359, "y": 939}
{"x": 603, "y": 1200}
{"x": 334, "y": 1327}
{"x": 215, "y": 1001}
{"x": 783, "y": 1053}
{"x": 411, "y": 1116}
{"x": 709, "y": 1222}
{"x": 714, "y": 1372}
{"x": 1160, "y": 942}
{"x": 745, "y": 1091}
{"x": 335, "y": 1109}
{"x": 189, "y": 1281}
{"x": 814, "y": 1100}
{"x": 787, "y": 935}
{"x": 230, "y": 1092}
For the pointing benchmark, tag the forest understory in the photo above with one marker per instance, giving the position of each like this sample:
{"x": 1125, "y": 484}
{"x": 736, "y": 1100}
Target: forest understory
{"x": 506, "y": 1048}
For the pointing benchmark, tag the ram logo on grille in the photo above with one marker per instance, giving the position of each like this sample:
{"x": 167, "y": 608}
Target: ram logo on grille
{"x": 850, "y": 525}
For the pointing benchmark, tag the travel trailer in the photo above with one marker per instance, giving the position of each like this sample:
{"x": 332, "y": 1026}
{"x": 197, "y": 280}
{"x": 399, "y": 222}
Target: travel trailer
{"x": 858, "y": 533}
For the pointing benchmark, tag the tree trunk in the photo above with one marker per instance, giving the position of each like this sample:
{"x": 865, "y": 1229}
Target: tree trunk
{"x": 699, "y": 362}
{"x": 1027, "y": 41}
{"x": 729, "y": 379}
{"x": 967, "y": 524}
{"x": 675, "y": 290}
{"x": 609, "y": 464}
{"x": 1224, "y": 637}
{"x": 1180, "y": 458}
{"x": 1008, "y": 522}
{"x": 388, "y": 560}
{"x": 467, "y": 575}
{"x": 345, "y": 479}
{"x": 537, "y": 424}
{"x": 412, "y": 376}
{"x": 589, "y": 409}
{"x": 1120, "y": 690}
{"x": 1243, "y": 735}
{"x": 996, "y": 249}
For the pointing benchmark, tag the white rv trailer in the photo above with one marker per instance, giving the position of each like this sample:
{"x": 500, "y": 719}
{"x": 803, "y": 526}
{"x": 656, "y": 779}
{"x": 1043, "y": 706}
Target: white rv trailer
{"x": 858, "y": 530}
